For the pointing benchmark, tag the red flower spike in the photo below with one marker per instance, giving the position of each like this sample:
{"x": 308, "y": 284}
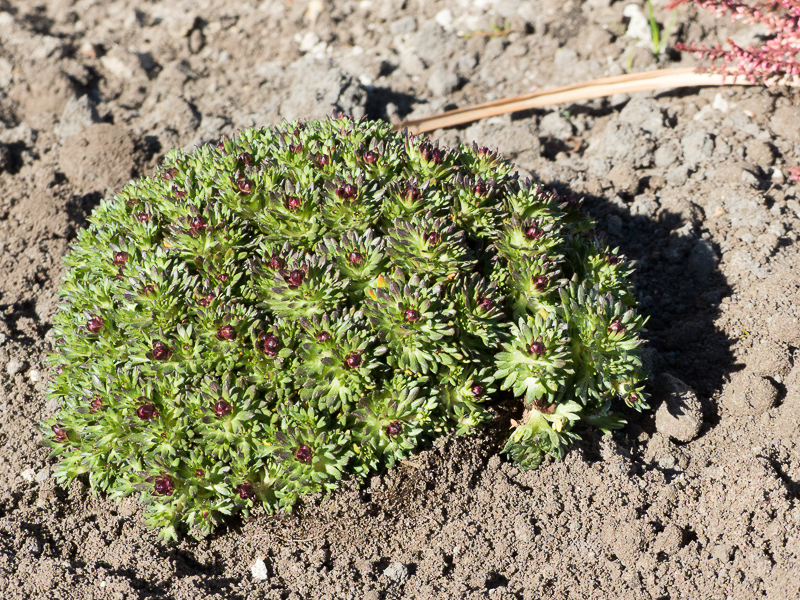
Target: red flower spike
{"x": 169, "y": 174}
{"x": 148, "y": 290}
{"x": 411, "y": 315}
{"x": 533, "y": 232}
{"x": 223, "y": 277}
{"x": 304, "y": 454}
{"x": 245, "y": 159}
{"x": 293, "y": 203}
{"x": 412, "y": 193}
{"x": 222, "y": 408}
{"x": 353, "y": 360}
{"x": 486, "y": 304}
{"x": 205, "y": 301}
{"x": 270, "y": 345}
{"x": 163, "y": 485}
{"x": 394, "y": 429}
{"x": 347, "y": 192}
{"x": 143, "y": 217}
{"x": 432, "y": 238}
{"x": 60, "y": 434}
{"x": 477, "y": 390}
{"x": 616, "y": 327}
{"x": 277, "y": 263}
{"x": 95, "y": 324}
{"x": 226, "y": 332}
{"x": 160, "y": 350}
{"x": 296, "y": 278}
{"x": 356, "y": 258}
{"x": 147, "y": 412}
{"x": 246, "y": 491}
{"x": 632, "y": 398}
{"x": 537, "y": 348}
{"x": 245, "y": 186}
{"x": 479, "y": 189}
{"x": 323, "y": 336}
{"x": 197, "y": 225}
{"x": 540, "y": 283}
{"x": 199, "y": 473}
{"x": 120, "y": 258}
{"x": 296, "y": 148}
{"x": 97, "y": 404}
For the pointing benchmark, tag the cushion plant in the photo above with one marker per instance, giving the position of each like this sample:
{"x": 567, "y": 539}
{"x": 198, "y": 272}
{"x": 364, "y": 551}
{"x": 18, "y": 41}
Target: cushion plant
{"x": 274, "y": 310}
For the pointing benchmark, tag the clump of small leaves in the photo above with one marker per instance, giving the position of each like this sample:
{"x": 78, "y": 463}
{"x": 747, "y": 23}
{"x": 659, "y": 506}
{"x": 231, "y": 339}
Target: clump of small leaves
{"x": 272, "y": 311}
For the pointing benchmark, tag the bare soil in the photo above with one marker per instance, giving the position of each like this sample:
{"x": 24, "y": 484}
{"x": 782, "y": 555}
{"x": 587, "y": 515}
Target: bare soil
{"x": 698, "y": 498}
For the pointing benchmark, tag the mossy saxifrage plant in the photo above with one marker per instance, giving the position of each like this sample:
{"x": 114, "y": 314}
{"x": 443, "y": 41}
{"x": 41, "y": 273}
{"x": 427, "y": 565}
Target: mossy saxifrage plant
{"x": 271, "y": 311}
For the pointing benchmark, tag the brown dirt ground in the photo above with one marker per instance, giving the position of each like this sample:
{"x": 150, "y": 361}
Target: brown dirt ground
{"x": 699, "y": 498}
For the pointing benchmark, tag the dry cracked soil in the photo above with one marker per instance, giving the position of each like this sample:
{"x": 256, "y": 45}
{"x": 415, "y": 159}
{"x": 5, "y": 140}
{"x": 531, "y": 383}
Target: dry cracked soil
{"x": 697, "y": 498}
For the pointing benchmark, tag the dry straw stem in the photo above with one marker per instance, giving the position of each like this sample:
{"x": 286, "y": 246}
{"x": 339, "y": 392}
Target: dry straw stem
{"x": 596, "y": 88}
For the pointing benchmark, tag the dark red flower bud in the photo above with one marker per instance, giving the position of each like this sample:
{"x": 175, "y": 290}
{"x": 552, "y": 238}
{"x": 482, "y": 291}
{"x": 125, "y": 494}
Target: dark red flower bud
{"x": 245, "y": 186}
{"x": 148, "y": 290}
{"x": 412, "y": 193}
{"x": 223, "y": 277}
{"x": 277, "y": 263}
{"x": 323, "y": 336}
{"x": 356, "y": 258}
{"x": 537, "y": 348}
{"x": 226, "y": 332}
{"x": 120, "y": 258}
{"x": 394, "y": 429}
{"x": 96, "y": 404}
{"x": 432, "y": 238}
{"x": 477, "y": 390}
{"x": 540, "y": 283}
{"x": 294, "y": 203}
{"x": 486, "y": 304}
{"x": 245, "y": 159}
{"x": 60, "y": 434}
{"x": 222, "y": 408}
{"x": 304, "y": 454}
{"x": 411, "y": 315}
{"x": 133, "y": 201}
{"x": 95, "y": 324}
{"x": 353, "y": 360}
{"x": 59, "y": 370}
{"x": 533, "y": 232}
{"x": 147, "y": 411}
{"x": 163, "y": 485}
{"x": 205, "y": 301}
{"x": 199, "y": 473}
{"x": 143, "y": 217}
{"x": 169, "y": 174}
{"x": 270, "y": 345}
{"x": 479, "y": 189}
{"x": 180, "y": 194}
{"x": 632, "y": 398}
{"x": 616, "y": 327}
{"x": 347, "y": 192}
{"x": 197, "y": 225}
{"x": 296, "y": 278}
{"x": 484, "y": 151}
{"x": 220, "y": 145}
{"x": 370, "y": 157}
{"x": 322, "y": 160}
{"x": 160, "y": 350}
{"x": 246, "y": 491}
{"x": 296, "y": 148}
{"x": 612, "y": 259}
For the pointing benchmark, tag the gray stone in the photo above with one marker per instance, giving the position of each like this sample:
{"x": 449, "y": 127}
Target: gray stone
{"x": 749, "y": 394}
{"x": 644, "y": 113}
{"x": 554, "y": 125}
{"x": 442, "y": 82}
{"x": 697, "y": 147}
{"x": 680, "y": 415}
{"x": 397, "y": 572}
{"x": 667, "y": 153}
{"x": 645, "y": 205}
{"x": 78, "y": 114}
{"x": 404, "y": 25}
{"x": 14, "y": 366}
{"x": 328, "y": 89}
{"x": 702, "y": 260}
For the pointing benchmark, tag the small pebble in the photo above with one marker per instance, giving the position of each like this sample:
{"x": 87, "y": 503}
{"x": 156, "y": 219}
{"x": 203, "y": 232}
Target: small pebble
{"x": 14, "y": 366}
{"x": 259, "y": 570}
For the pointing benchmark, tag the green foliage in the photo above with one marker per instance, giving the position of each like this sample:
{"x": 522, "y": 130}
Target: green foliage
{"x": 273, "y": 311}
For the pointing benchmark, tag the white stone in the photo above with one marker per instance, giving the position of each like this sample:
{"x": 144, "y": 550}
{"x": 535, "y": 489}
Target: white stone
{"x": 259, "y": 570}
{"x": 28, "y": 475}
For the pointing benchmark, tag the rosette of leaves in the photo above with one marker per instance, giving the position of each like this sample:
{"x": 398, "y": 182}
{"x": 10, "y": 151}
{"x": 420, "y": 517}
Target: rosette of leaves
{"x": 273, "y": 311}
